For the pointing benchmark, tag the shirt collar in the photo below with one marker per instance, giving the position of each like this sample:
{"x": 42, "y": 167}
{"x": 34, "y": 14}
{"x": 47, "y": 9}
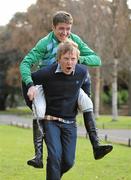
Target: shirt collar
{"x": 59, "y": 70}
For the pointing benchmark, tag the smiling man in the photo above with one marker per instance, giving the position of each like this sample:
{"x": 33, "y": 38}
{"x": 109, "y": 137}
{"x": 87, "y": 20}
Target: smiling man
{"x": 44, "y": 53}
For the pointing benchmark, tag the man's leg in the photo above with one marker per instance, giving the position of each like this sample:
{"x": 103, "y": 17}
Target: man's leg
{"x": 86, "y": 106}
{"x": 54, "y": 147}
{"x": 37, "y": 161}
{"x": 68, "y": 139}
{"x": 99, "y": 150}
{"x": 38, "y": 111}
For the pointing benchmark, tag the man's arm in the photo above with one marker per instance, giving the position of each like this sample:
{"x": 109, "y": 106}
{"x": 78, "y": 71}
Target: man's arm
{"x": 87, "y": 84}
{"x": 30, "y": 59}
{"x": 37, "y": 78}
{"x": 87, "y": 55}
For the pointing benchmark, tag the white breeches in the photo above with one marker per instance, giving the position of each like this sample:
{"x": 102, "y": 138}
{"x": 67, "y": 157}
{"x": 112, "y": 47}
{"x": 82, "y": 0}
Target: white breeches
{"x": 39, "y": 104}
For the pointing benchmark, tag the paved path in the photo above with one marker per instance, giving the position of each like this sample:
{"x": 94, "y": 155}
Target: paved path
{"x": 14, "y": 119}
{"x": 119, "y": 136}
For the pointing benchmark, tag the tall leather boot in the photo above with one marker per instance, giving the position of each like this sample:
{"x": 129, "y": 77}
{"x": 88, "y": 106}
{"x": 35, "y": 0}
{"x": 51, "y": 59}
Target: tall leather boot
{"x": 37, "y": 161}
{"x": 99, "y": 151}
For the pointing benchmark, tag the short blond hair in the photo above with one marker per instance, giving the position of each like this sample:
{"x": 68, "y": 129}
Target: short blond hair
{"x": 67, "y": 46}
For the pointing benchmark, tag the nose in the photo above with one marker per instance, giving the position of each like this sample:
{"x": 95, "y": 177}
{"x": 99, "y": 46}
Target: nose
{"x": 64, "y": 31}
{"x": 69, "y": 62}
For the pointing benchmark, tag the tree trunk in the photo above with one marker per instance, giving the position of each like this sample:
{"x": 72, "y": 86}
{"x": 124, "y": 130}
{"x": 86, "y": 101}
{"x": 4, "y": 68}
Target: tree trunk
{"x": 97, "y": 93}
{"x": 3, "y": 102}
{"x": 3, "y": 92}
{"x": 114, "y": 91}
{"x": 129, "y": 93}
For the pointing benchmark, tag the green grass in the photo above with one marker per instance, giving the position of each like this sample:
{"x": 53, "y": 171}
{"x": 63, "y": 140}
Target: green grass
{"x": 105, "y": 122}
{"x": 16, "y": 148}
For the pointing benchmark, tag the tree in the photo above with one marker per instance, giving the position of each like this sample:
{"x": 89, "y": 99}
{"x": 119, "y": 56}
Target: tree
{"x": 7, "y": 59}
{"x": 119, "y": 32}
{"x": 13, "y": 82}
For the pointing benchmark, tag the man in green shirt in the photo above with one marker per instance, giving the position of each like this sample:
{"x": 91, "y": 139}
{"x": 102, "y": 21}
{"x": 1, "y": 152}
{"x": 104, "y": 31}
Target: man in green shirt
{"x": 44, "y": 53}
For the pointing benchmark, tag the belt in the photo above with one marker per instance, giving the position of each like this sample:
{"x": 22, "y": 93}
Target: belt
{"x": 54, "y": 118}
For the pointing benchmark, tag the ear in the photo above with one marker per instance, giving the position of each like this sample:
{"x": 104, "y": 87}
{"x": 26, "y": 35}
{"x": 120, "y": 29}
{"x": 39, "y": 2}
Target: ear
{"x": 53, "y": 27}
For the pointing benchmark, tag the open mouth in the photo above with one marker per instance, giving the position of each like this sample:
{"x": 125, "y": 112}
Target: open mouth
{"x": 68, "y": 68}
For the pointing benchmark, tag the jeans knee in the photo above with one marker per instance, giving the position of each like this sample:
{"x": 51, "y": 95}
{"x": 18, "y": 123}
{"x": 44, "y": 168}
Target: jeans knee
{"x": 54, "y": 160}
{"x": 68, "y": 164}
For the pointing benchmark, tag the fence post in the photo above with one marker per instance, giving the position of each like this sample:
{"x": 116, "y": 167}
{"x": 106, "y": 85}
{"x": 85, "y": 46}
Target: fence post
{"x": 106, "y": 137}
{"x": 87, "y": 136}
{"x": 129, "y": 142}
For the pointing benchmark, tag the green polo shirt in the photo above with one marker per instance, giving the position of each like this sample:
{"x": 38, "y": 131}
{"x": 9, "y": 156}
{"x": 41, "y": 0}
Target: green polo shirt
{"x": 44, "y": 54}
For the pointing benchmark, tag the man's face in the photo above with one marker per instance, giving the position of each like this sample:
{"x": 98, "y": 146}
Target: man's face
{"x": 62, "y": 31}
{"x": 68, "y": 62}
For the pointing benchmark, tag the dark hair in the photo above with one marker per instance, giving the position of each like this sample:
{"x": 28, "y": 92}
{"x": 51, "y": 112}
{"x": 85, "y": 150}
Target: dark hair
{"x": 62, "y": 17}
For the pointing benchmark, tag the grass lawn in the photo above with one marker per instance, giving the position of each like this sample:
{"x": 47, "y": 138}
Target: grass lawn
{"x": 105, "y": 122}
{"x": 16, "y": 148}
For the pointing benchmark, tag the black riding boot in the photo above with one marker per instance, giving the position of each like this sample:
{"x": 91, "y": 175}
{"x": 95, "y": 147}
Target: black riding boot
{"x": 37, "y": 161}
{"x": 99, "y": 151}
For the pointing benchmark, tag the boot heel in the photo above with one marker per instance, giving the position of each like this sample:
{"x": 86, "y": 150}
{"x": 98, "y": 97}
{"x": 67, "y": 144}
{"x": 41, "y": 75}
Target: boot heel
{"x": 35, "y": 163}
{"x": 101, "y": 151}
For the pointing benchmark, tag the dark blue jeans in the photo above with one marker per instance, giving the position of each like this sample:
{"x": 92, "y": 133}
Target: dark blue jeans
{"x": 60, "y": 139}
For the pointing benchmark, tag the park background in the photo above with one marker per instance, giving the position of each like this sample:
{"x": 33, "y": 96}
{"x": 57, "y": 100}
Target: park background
{"x": 106, "y": 27}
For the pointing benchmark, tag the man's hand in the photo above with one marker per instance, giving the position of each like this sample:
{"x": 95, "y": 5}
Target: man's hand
{"x": 32, "y": 92}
